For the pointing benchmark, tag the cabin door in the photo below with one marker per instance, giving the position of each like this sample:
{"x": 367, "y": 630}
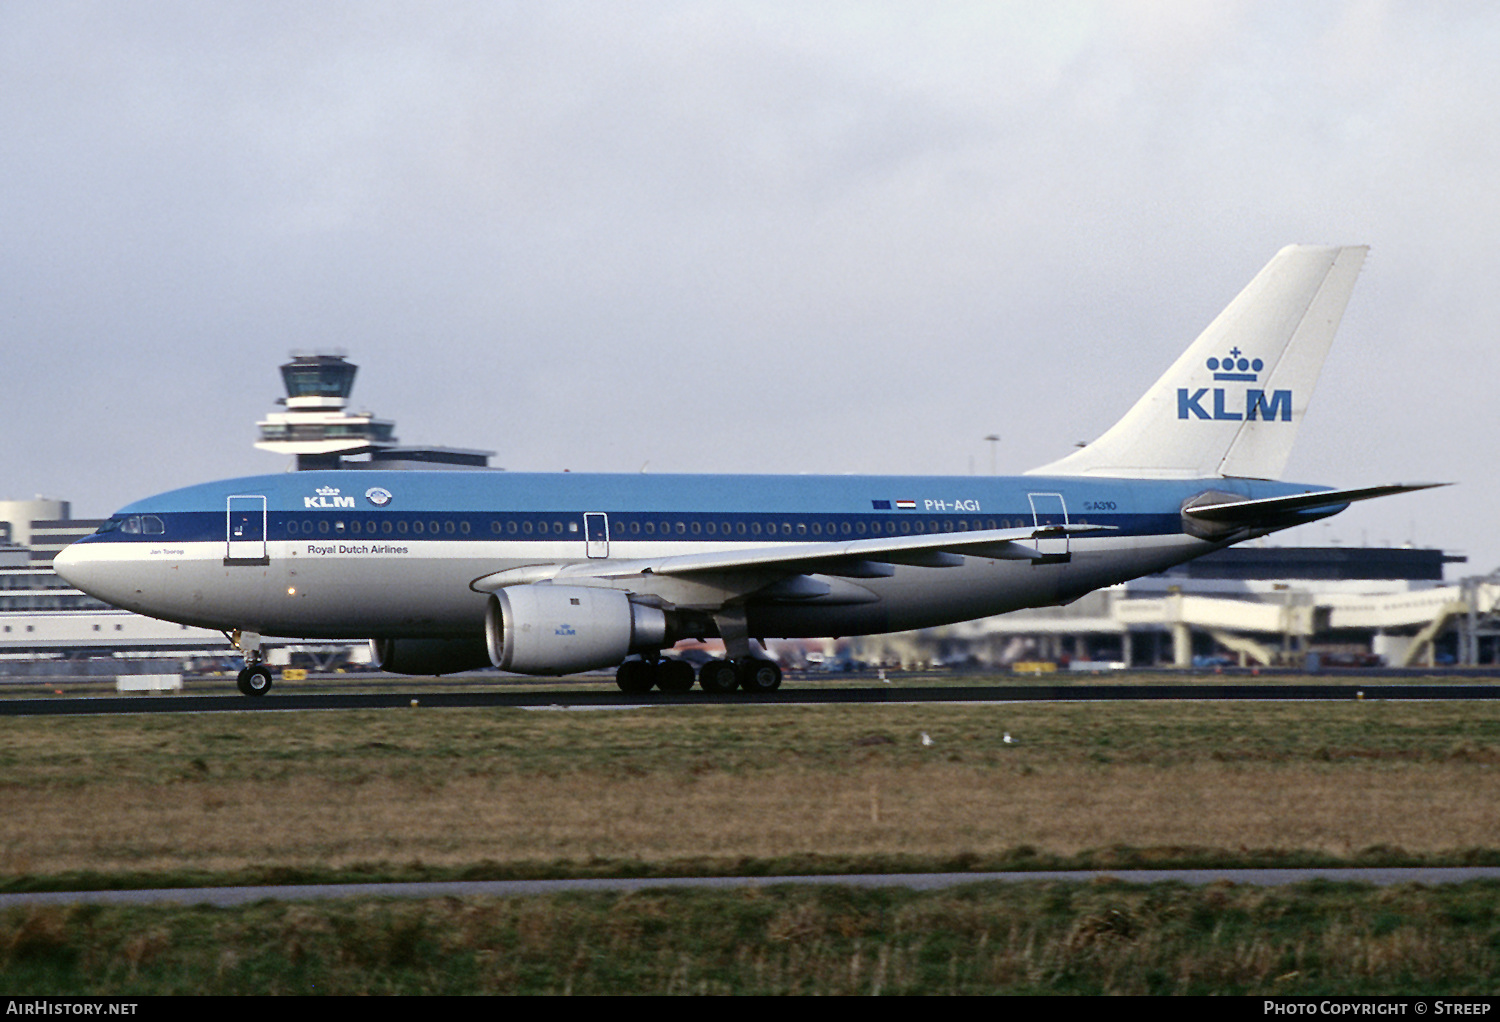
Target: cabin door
{"x": 596, "y": 533}
{"x": 1050, "y": 509}
{"x": 245, "y": 542}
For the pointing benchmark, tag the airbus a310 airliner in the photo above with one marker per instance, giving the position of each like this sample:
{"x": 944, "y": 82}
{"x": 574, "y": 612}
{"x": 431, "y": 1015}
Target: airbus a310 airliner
{"x": 553, "y": 574}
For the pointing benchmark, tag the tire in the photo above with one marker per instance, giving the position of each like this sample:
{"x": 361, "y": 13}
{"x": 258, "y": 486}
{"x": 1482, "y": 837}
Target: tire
{"x": 635, "y": 676}
{"x": 674, "y": 676}
{"x": 255, "y": 681}
{"x": 718, "y": 677}
{"x": 759, "y": 675}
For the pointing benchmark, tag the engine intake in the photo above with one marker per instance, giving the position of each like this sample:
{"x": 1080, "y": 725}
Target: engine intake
{"x": 551, "y": 629}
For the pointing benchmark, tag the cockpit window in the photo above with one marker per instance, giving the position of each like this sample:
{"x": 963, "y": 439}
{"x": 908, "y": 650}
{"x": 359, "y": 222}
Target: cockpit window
{"x": 135, "y": 525}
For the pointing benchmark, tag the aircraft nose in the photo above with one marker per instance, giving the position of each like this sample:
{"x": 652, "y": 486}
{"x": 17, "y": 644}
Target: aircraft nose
{"x": 87, "y": 568}
{"x": 69, "y": 563}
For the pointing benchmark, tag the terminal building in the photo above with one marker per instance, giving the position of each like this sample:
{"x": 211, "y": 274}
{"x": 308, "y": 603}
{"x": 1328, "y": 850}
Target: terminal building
{"x": 1303, "y": 607}
{"x": 1260, "y": 605}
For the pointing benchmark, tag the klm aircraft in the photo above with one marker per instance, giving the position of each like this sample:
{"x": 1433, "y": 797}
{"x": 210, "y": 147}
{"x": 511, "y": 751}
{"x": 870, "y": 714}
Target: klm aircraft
{"x": 552, "y": 574}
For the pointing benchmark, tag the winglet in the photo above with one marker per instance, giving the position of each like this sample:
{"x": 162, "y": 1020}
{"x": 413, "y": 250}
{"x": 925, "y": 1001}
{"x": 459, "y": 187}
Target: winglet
{"x": 1231, "y": 404}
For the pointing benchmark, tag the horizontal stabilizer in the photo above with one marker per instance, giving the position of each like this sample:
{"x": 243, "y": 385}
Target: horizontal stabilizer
{"x": 1254, "y": 512}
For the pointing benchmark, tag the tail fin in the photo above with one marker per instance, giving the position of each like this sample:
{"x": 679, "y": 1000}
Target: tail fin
{"x": 1231, "y": 404}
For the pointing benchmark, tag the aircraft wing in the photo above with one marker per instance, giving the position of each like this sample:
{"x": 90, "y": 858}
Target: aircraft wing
{"x": 1230, "y": 511}
{"x": 860, "y": 558}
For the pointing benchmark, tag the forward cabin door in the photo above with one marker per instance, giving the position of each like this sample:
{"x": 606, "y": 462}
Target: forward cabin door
{"x": 245, "y": 540}
{"x": 1050, "y": 509}
{"x": 596, "y": 533}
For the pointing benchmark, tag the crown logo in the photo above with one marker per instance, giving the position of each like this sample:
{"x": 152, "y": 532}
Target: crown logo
{"x": 1236, "y": 367}
{"x": 328, "y": 491}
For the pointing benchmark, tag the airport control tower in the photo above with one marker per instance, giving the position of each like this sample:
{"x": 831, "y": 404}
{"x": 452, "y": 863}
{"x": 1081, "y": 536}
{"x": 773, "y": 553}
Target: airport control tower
{"x": 319, "y": 431}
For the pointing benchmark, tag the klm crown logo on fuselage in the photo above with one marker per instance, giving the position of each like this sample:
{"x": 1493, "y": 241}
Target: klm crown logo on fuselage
{"x": 328, "y": 497}
{"x": 1230, "y": 404}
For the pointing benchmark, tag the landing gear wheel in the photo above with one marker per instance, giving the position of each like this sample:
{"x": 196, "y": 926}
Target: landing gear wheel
{"x": 759, "y": 675}
{"x": 255, "y": 681}
{"x": 674, "y": 675}
{"x": 718, "y": 677}
{"x": 636, "y": 676}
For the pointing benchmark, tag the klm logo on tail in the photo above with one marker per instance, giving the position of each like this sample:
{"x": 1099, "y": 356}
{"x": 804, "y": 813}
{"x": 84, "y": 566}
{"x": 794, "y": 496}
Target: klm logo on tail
{"x": 1256, "y": 404}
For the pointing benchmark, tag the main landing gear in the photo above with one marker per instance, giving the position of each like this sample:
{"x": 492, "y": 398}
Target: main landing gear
{"x": 255, "y": 679}
{"x": 717, "y": 677}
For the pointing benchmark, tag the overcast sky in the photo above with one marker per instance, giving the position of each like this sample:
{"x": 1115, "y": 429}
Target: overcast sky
{"x": 744, "y": 237}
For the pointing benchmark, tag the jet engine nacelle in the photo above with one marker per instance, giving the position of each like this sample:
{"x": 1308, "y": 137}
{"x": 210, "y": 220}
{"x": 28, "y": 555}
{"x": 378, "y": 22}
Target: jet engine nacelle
{"x": 429, "y": 656}
{"x": 551, "y": 629}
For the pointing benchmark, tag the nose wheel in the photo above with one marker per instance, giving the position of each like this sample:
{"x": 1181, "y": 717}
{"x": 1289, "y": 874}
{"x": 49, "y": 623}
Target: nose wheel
{"x": 256, "y": 680}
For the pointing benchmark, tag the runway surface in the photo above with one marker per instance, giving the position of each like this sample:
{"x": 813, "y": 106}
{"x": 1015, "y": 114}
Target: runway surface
{"x": 561, "y": 697}
{"x": 224, "y": 897}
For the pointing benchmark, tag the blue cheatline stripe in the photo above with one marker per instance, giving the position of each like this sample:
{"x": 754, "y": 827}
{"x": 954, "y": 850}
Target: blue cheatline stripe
{"x": 665, "y": 526}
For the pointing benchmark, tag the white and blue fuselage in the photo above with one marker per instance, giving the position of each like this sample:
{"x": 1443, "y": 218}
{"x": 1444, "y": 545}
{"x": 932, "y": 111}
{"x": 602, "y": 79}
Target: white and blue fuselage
{"x": 546, "y": 574}
{"x": 396, "y": 554}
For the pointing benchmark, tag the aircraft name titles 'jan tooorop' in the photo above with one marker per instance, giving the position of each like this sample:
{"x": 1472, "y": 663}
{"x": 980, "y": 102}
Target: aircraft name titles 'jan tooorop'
{"x": 554, "y": 574}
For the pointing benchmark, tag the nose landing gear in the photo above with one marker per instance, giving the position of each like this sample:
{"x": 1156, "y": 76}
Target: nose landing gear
{"x": 255, "y": 679}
